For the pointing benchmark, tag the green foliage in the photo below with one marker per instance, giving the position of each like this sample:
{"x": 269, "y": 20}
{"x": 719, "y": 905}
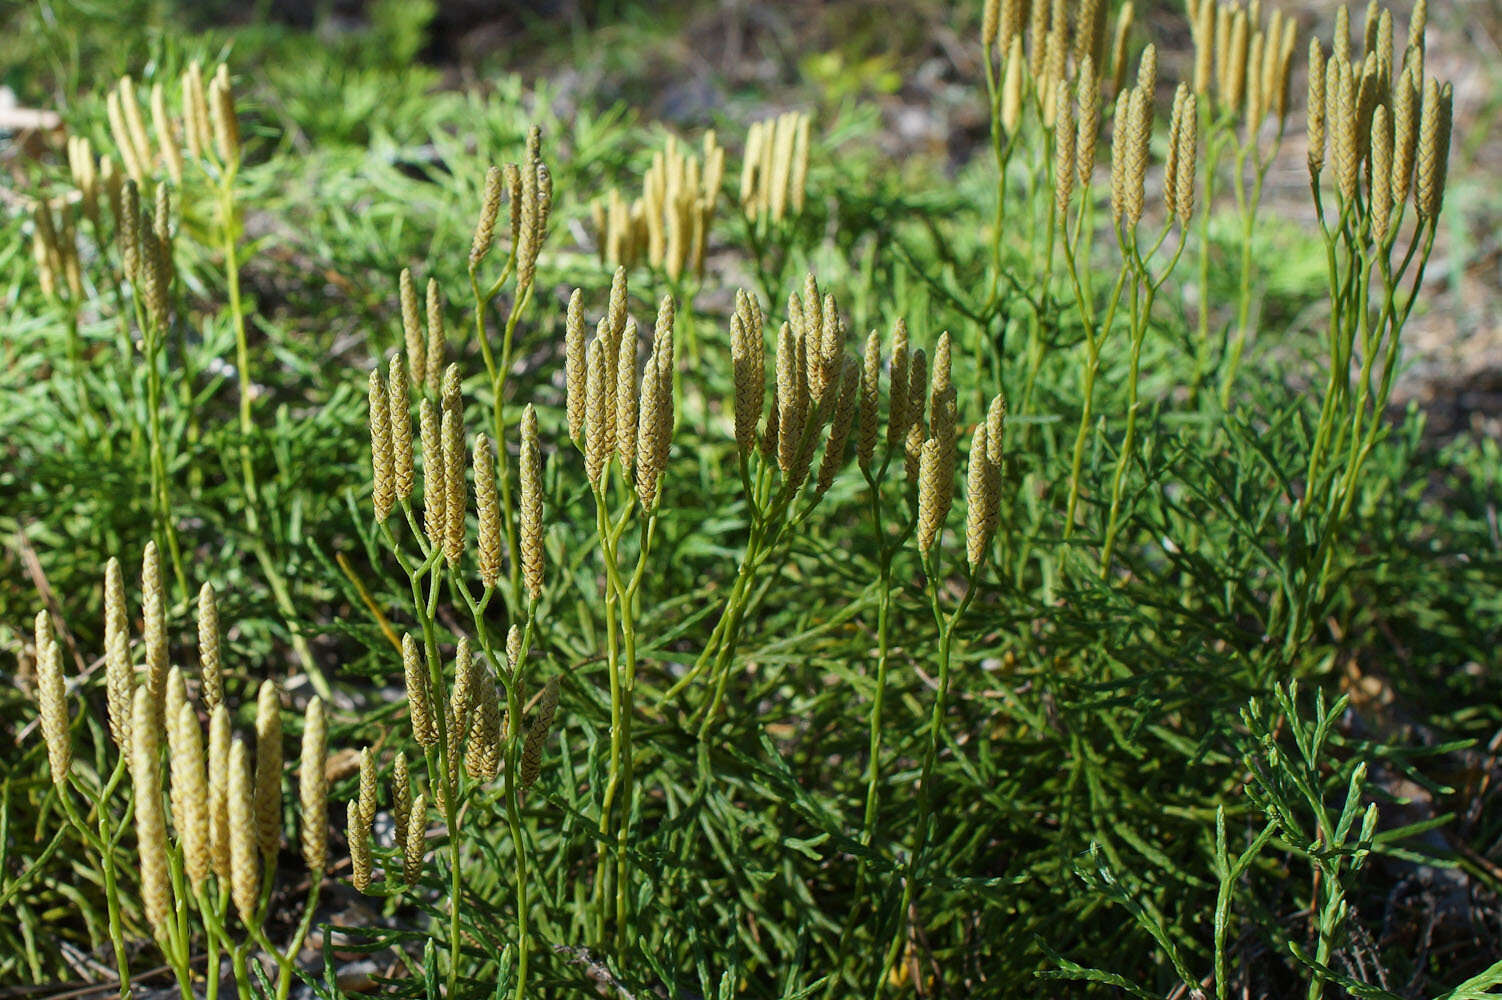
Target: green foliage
{"x": 1203, "y": 715}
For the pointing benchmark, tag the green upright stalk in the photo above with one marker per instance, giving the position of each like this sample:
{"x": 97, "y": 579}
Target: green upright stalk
{"x": 515, "y": 708}
{"x": 237, "y": 317}
{"x": 628, "y": 632}
{"x": 456, "y": 884}
{"x": 1140, "y": 311}
{"x": 112, "y": 903}
{"x": 1352, "y": 318}
{"x": 1213, "y": 142}
{"x": 152, "y": 344}
{"x": 617, "y": 802}
{"x": 1248, "y": 206}
{"x": 275, "y": 579}
{"x": 1146, "y": 286}
{"x": 878, "y": 700}
{"x": 1001, "y": 150}
{"x": 760, "y": 538}
{"x": 1094, "y": 336}
{"x": 439, "y": 766}
{"x": 242, "y": 971}
{"x": 733, "y": 615}
{"x": 503, "y": 460}
{"x": 617, "y": 702}
{"x": 519, "y": 852}
{"x": 174, "y": 949}
{"x": 435, "y": 757}
{"x": 1229, "y": 873}
{"x": 874, "y": 724}
{"x": 946, "y": 625}
{"x": 767, "y": 529}
{"x": 105, "y": 847}
{"x": 1393, "y": 322}
{"x": 729, "y": 618}
{"x": 1327, "y": 405}
{"x": 179, "y": 930}
{"x": 213, "y": 917}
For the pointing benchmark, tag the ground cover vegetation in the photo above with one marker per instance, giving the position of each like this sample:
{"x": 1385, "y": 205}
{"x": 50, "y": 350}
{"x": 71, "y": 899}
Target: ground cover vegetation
{"x": 470, "y": 541}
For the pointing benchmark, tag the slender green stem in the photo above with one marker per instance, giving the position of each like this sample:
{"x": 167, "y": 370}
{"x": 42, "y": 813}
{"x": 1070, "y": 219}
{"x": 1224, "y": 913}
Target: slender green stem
{"x": 513, "y": 809}
{"x": 1001, "y": 149}
{"x": 1140, "y": 312}
{"x": 111, "y": 880}
{"x": 624, "y": 925}
{"x": 242, "y": 970}
{"x": 1248, "y": 205}
{"x": 617, "y": 701}
{"x": 456, "y": 890}
{"x": 724, "y": 624}
{"x": 870, "y": 812}
{"x": 761, "y": 543}
{"x": 878, "y": 698}
{"x": 104, "y": 846}
{"x": 230, "y": 241}
{"x": 270, "y": 567}
{"x": 1144, "y": 291}
{"x": 152, "y": 343}
{"x": 209, "y": 907}
{"x": 1214, "y": 141}
{"x": 1094, "y": 337}
{"x": 498, "y": 372}
{"x": 1328, "y": 404}
{"x": 946, "y": 625}
{"x": 443, "y": 771}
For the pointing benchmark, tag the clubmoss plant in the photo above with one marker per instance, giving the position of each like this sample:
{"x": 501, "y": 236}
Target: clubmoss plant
{"x": 454, "y": 711}
{"x": 674, "y": 717}
{"x": 668, "y": 227}
{"x": 209, "y": 835}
